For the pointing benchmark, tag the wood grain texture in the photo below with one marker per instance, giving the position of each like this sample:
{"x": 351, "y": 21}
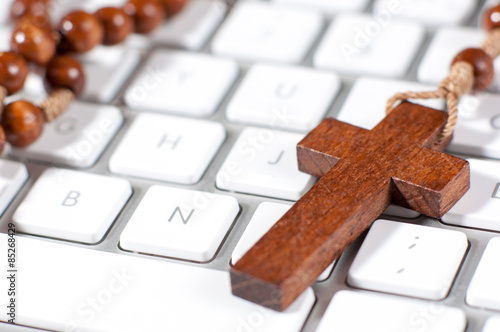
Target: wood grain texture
{"x": 361, "y": 172}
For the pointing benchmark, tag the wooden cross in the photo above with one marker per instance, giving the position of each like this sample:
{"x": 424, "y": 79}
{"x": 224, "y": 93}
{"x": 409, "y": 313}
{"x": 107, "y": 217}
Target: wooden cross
{"x": 361, "y": 172}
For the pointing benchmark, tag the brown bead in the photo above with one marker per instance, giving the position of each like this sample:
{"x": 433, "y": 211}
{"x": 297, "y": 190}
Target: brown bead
{"x": 482, "y": 64}
{"x": 147, "y": 14}
{"x": 3, "y": 139}
{"x": 65, "y": 71}
{"x": 20, "y": 8}
{"x": 491, "y": 18}
{"x": 80, "y": 32}
{"x": 172, "y": 7}
{"x": 117, "y": 24}
{"x": 22, "y": 122}
{"x": 13, "y": 71}
{"x": 33, "y": 42}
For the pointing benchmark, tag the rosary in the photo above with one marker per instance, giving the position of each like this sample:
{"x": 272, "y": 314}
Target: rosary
{"x": 34, "y": 41}
{"x": 361, "y": 172}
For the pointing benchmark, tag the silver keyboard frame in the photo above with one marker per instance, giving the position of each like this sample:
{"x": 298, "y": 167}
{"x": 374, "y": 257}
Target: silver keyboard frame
{"x": 325, "y": 290}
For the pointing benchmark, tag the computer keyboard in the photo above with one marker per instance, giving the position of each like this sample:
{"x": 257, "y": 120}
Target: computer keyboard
{"x": 180, "y": 155}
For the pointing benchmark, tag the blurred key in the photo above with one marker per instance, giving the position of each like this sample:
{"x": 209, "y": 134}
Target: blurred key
{"x": 167, "y": 148}
{"x": 492, "y": 324}
{"x": 428, "y": 12}
{"x": 361, "y": 45}
{"x": 484, "y": 288}
{"x": 13, "y": 175}
{"x": 260, "y": 31}
{"x": 361, "y": 312}
{"x": 72, "y": 205}
{"x": 282, "y": 97}
{"x": 180, "y": 82}
{"x": 328, "y": 6}
{"x": 77, "y": 138}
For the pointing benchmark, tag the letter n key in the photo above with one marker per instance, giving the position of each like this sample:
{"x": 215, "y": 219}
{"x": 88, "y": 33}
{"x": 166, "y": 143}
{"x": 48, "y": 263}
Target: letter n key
{"x": 361, "y": 172}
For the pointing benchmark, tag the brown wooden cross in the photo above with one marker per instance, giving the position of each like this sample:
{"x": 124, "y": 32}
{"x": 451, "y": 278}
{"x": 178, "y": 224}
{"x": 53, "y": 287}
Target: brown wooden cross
{"x": 361, "y": 172}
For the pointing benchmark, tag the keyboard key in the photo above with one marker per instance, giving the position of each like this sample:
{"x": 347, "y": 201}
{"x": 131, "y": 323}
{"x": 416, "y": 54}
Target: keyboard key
{"x": 68, "y": 288}
{"x": 328, "y": 6}
{"x": 431, "y": 13}
{"x": 5, "y": 35}
{"x": 13, "y": 175}
{"x": 167, "y": 148}
{"x": 72, "y": 205}
{"x": 361, "y": 45}
{"x": 179, "y": 223}
{"x": 445, "y": 45}
{"x": 408, "y": 259}
{"x": 258, "y": 31}
{"x": 264, "y": 162}
{"x": 178, "y": 82}
{"x": 492, "y": 324}
{"x": 480, "y": 205}
{"x": 266, "y": 215}
{"x": 5, "y": 6}
{"x": 360, "y": 312}
{"x": 484, "y": 289}
{"x": 181, "y": 31}
{"x": 283, "y": 97}
{"x": 77, "y": 138}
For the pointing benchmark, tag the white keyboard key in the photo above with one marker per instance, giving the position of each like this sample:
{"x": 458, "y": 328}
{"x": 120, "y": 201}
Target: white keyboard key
{"x": 67, "y": 288}
{"x": 5, "y": 35}
{"x": 328, "y": 6}
{"x": 77, "y": 138}
{"x": 167, "y": 148}
{"x": 445, "y": 45}
{"x": 258, "y": 31}
{"x": 264, "y": 162}
{"x": 361, "y": 312}
{"x": 477, "y": 131}
{"x": 283, "y": 97}
{"x": 5, "y": 6}
{"x": 179, "y": 223}
{"x": 178, "y": 82}
{"x": 362, "y": 45}
{"x": 408, "y": 259}
{"x": 484, "y": 288}
{"x": 106, "y": 75}
{"x": 266, "y": 215}
{"x": 13, "y": 175}
{"x": 191, "y": 28}
{"x": 480, "y": 205}
{"x": 492, "y": 324}
{"x": 72, "y": 205}
{"x": 428, "y": 12}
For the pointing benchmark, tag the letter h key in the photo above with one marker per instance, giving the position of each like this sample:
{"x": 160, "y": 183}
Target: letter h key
{"x": 362, "y": 172}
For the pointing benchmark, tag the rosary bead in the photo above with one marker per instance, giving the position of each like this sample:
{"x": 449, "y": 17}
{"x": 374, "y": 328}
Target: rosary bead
{"x": 482, "y": 64}
{"x": 33, "y": 42}
{"x": 66, "y": 72}
{"x": 117, "y": 24}
{"x": 13, "y": 71}
{"x": 147, "y": 14}
{"x": 23, "y": 122}
{"x": 80, "y": 32}
{"x": 3, "y": 139}
{"x": 491, "y": 18}
{"x": 172, "y": 7}
{"x": 20, "y": 8}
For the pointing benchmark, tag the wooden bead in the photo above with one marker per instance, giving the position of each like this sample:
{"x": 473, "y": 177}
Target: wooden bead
{"x": 3, "y": 139}
{"x": 491, "y": 18}
{"x": 65, "y": 71}
{"x": 35, "y": 43}
{"x": 172, "y": 7}
{"x": 13, "y": 71}
{"x": 147, "y": 14}
{"x": 80, "y": 32}
{"x": 20, "y": 8}
{"x": 23, "y": 122}
{"x": 117, "y": 24}
{"x": 482, "y": 64}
